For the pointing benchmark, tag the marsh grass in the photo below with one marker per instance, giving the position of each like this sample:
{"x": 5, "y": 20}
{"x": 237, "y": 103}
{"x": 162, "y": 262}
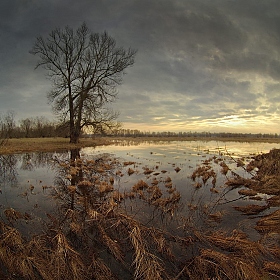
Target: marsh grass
{"x": 269, "y": 223}
{"x": 13, "y": 146}
{"x": 251, "y": 209}
{"x": 91, "y": 235}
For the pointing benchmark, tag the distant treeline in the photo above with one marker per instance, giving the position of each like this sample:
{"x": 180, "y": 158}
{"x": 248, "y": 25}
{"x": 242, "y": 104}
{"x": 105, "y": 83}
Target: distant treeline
{"x": 36, "y": 127}
{"x": 138, "y": 133}
{"x": 29, "y": 127}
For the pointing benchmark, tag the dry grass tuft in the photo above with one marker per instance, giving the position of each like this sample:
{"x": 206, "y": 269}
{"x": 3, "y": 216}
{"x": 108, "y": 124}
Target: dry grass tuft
{"x": 225, "y": 168}
{"x": 105, "y": 187}
{"x": 147, "y": 265}
{"x": 269, "y": 223}
{"x": 23, "y": 260}
{"x": 130, "y": 171}
{"x": 211, "y": 264}
{"x": 147, "y": 171}
{"x": 161, "y": 242}
{"x": 112, "y": 245}
{"x": 274, "y": 201}
{"x": 128, "y": 163}
{"x": 100, "y": 270}
{"x": 217, "y": 216}
{"x": 251, "y": 209}
{"x": 237, "y": 242}
{"x": 205, "y": 173}
{"x": 66, "y": 262}
{"x": 12, "y": 214}
{"x": 140, "y": 185}
{"x": 238, "y": 182}
{"x": 247, "y": 192}
{"x": 273, "y": 269}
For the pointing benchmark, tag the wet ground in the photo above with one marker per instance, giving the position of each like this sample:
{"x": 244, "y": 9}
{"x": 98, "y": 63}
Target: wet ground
{"x": 184, "y": 189}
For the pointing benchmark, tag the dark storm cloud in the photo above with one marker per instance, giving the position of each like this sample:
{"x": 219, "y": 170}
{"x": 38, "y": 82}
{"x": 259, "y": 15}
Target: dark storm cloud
{"x": 197, "y": 59}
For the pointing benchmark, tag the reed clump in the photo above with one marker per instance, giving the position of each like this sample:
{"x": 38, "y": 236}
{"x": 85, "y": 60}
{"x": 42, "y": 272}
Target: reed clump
{"x": 269, "y": 223}
{"x": 251, "y": 209}
{"x": 204, "y": 172}
{"x": 248, "y": 192}
{"x": 147, "y": 265}
{"x": 267, "y": 178}
{"x": 230, "y": 256}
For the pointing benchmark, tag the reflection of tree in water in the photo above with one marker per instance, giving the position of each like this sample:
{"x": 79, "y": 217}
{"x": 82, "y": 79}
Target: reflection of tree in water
{"x": 92, "y": 217}
{"x": 83, "y": 179}
{"x": 26, "y": 163}
{"x": 91, "y": 236}
{"x": 95, "y": 220}
{"x": 30, "y": 161}
{"x": 128, "y": 142}
{"x": 8, "y": 171}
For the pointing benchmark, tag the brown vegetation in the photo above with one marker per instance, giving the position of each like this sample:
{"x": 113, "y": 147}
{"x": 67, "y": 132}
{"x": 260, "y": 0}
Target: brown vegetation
{"x": 13, "y": 146}
{"x": 94, "y": 235}
{"x": 266, "y": 180}
{"x": 269, "y": 223}
{"x": 19, "y": 145}
{"x": 251, "y": 209}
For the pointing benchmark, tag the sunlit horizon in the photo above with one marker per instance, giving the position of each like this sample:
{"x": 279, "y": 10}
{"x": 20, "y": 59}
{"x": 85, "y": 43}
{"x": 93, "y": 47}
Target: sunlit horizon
{"x": 230, "y": 124}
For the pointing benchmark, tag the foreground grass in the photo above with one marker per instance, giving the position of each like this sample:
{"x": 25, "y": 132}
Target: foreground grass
{"x": 93, "y": 234}
{"x": 13, "y": 146}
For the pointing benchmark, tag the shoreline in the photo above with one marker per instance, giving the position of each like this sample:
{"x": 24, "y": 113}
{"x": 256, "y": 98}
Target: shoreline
{"x": 21, "y": 145}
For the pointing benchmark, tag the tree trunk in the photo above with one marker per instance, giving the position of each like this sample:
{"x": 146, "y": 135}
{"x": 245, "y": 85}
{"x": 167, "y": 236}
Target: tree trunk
{"x": 76, "y": 131}
{"x": 74, "y": 136}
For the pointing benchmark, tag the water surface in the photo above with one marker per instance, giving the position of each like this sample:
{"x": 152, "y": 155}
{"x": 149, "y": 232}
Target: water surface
{"x": 28, "y": 181}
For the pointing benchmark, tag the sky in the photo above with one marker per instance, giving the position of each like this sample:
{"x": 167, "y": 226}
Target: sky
{"x": 201, "y": 65}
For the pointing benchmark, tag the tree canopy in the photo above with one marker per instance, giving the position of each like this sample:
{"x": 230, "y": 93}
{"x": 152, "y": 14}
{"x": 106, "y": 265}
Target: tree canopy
{"x": 85, "y": 69}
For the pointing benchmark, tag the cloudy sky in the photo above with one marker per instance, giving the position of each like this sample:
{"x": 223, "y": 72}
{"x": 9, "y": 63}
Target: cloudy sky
{"x": 201, "y": 65}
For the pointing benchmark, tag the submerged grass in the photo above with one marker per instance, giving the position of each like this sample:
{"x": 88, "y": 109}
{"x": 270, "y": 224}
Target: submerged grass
{"x": 93, "y": 235}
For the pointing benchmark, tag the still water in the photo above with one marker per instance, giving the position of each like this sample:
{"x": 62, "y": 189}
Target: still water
{"x": 28, "y": 181}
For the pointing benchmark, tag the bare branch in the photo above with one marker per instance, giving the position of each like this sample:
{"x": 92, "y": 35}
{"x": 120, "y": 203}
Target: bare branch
{"x": 85, "y": 69}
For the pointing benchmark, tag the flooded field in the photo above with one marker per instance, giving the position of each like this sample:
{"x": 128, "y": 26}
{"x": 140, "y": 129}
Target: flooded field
{"x": 141, "y": 211}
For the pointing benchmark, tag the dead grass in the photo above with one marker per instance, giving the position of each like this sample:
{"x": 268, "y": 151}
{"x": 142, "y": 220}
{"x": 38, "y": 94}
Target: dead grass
{"x": 267, "y": 179}
{"x": 274, "y": 201}
{"x": 13, "y": 146}
{"x": 238, "y": 243}
{"x": 212, "y": 264}
{"x": 230, "y": 256}
{"x": 251, "y": 209}
{"x": 247, "y": 192}
{"x": 205, "y": 173}
{"x": 269, "y": 223}
{"x": 273, "y": 269}
{"x": 100, "y": 270}
{"x": 147, "y": 265}
{"x": 94, "y": 236}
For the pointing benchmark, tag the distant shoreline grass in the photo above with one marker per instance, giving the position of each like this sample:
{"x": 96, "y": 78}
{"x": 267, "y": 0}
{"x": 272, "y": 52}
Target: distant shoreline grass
{"x": 21, "y": 145}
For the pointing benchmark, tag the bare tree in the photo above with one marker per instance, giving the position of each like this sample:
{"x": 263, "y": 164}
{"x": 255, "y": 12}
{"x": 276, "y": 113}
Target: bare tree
{"x": 7, "y": 126}
{"x": 85, "y": 69}
{"x": 26, "y": 126}
{"x": 104, "y": 122}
